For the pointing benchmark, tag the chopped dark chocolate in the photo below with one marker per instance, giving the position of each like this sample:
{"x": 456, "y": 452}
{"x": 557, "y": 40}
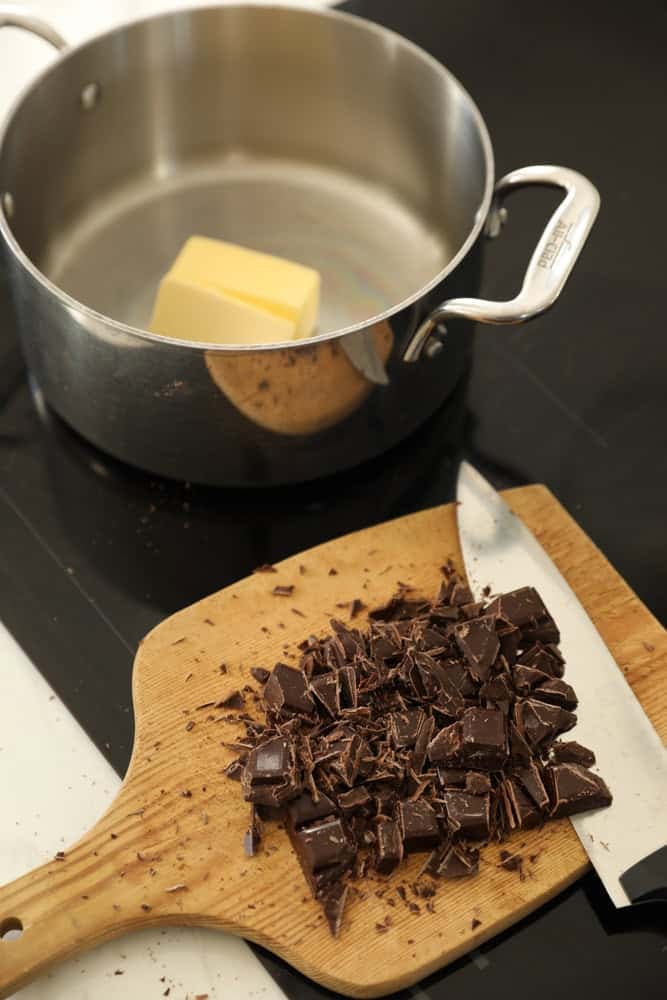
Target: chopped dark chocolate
{"x": 539, "y": 723}
{"x": 525, "y": 609}
{"x": 355, "y": 801}
{"x": 404, "y": 727}
{"x": 324, "y": 844}
{"x": 389, "y": 846}
{"x": 477, "y": 784}
{"x": 260, "y": 674}
{"x": 419, "y": 826}
{"x": 572, "y": 753}
{"x": 574, "y": 789}
{"x": 233, "y": 700}
{"x": 269, "y": 776}
{"x": 459, "y": 862}
{"x": 304, "y": 810}
{"x": 333, "y": 904}
{"x": 479, "y": 644}
{"x": 556, "y": 692}
{"x": 468, "y": 815}
{"x": 484, "y": 738}
{"x": 287, "y": 690}
{"x": 431, "y": 730}
{"x": 326, "y": 690}
{"x": 530, "y": 780}
{"x": 446, "y": 745}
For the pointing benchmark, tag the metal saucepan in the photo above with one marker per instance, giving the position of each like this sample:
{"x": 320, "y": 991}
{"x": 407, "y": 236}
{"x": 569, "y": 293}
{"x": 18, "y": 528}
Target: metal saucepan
{"x": 310, "y": 134}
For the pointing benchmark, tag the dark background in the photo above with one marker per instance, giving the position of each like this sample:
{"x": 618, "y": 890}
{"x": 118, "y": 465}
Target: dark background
{"x": 93, "y": 554}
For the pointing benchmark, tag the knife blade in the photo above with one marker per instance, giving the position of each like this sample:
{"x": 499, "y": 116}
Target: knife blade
{"x": 626, "y": 842}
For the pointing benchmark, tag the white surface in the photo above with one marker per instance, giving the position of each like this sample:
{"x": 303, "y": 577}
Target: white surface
{"x": 499, "y": 551}
{"x": 54, "y": 789}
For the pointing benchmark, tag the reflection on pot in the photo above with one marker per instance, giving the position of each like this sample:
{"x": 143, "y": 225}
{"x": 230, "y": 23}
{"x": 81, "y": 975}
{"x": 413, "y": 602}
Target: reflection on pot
{"x": 299, "y": 390}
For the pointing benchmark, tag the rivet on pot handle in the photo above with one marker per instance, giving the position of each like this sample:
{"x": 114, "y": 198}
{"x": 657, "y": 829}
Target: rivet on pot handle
{"x": 16, "y": 17}
{"x": 551, "y": 263}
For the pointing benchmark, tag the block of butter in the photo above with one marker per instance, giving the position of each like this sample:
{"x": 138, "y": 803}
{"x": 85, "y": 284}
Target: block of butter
{"x": 226, "y": 294}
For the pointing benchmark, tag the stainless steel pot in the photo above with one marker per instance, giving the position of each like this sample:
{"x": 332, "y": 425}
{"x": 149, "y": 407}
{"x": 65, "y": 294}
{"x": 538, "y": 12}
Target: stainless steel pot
{"x": 315, "y": 135}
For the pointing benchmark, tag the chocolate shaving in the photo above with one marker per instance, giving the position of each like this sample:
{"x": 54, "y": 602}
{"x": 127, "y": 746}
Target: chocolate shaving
{"x": 283, "y": 590}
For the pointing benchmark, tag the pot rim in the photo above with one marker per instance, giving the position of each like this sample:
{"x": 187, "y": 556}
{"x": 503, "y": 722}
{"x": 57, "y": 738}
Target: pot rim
{"x": 361, "y": 23}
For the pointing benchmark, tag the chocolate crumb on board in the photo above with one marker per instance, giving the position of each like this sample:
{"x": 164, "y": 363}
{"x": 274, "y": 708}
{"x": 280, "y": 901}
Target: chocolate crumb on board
{"x": 333, "y": 572}
{"x": 265, "y": 568}
{"x": 475, "y": 923}
{"x": 434, "y": 729}
{"x": 283, "y": 590}
{"x": 233, "y": 700}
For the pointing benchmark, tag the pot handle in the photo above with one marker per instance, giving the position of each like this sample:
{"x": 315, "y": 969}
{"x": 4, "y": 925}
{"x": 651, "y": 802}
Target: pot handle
{"x": 549, "y": 267}
{"x": 12, "y": 16}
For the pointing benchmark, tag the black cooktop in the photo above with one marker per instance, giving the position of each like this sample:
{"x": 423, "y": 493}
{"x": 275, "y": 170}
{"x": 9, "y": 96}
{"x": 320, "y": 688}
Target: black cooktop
{"x": 93, "y": 554}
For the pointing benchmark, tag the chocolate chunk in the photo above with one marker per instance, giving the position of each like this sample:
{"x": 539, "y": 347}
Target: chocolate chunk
{"x": 424, "y": 737}
{"x": 303, "y": 810}
{"x": 572, "y": 753}
{"x": 484, "y": 739}
{"x": 520, "y": 752}
{"x": 325, "y": 689}
{"x": 509, "y": 637}
{"x": 451, "y": 777}
{"x": 526, "y": 678}
{"x": 419, "y": 826}
{"x": 233, "y": 700}
{"x": 474, "y": 610}
{"x": 355, "y": 801}
{"x": 324, "y": 844}
{"x": 556, "y": 692}
{"x": 234, "y": 770}
{"x": 540, "y": 723}
{"x": 385, "y": 798}
{"x": 468, "y": 815}
{"x": 347, "y": 677}
{"x": 479, "y": 644}
{"x": 404, "y": 727}
{"x": 545, "y": 658}
{"x": 530, "y": 779}
{"x": 389, "y": 847}
{"x": 498, "y": 692}
{"x": 459, "y": 862}
{"x": 260, "y": 674}
{"x": 574, "y": 789}
{"x": 477, "y": 784}
{"x": 446, "y": 745}
{"x": 525, "y": 609}
{"x": 461, "y": 594}
{"x": 287, "y": 690}
{"x": 524, "y": 811}
{"x": 269, "y": 776}
{"x": 333, "y": 903}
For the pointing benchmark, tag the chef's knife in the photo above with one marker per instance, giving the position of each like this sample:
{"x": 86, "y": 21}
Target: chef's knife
{"x": 626, "y": 842}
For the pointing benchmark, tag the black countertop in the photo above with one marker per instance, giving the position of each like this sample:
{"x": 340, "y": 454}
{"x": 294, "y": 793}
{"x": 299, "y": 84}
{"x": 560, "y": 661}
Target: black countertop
{"x": 94, "y": 554}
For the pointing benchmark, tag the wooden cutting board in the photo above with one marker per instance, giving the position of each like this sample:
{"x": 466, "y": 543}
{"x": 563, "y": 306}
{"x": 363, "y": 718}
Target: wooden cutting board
{"x": 169, "y": 850}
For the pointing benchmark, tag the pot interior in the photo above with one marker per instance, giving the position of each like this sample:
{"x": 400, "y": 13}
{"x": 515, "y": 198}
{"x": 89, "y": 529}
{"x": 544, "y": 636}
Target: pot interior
{"x": 315, "y": 136}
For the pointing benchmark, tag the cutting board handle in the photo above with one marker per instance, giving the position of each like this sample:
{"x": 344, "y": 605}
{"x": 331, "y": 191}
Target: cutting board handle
{"x": 70, "y": 903}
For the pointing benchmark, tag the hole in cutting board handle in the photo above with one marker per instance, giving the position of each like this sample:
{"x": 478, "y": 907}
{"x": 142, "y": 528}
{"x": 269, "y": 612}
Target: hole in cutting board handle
{"x": 11, "y": 928}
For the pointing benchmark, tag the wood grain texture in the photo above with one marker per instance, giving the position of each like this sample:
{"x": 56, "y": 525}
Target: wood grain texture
{"x": 169, "y": 850}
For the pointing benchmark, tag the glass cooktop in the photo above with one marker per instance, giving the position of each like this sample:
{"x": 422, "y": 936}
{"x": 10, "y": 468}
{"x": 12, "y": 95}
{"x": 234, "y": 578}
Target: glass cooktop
{"x": 93, "y": 554}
